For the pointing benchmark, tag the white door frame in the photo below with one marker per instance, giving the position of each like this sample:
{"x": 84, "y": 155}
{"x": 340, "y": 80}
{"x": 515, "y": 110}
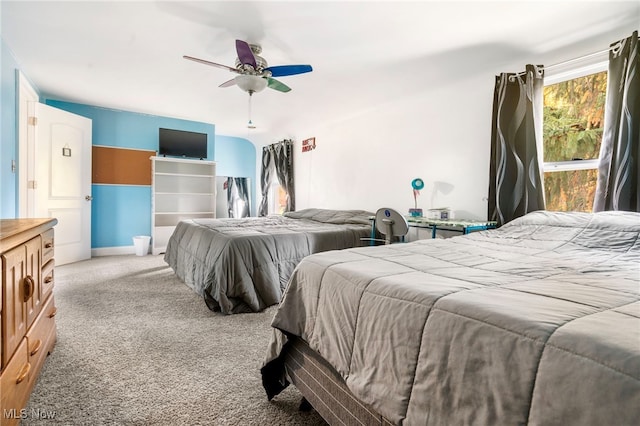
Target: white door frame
{"x": 27, "y": 98}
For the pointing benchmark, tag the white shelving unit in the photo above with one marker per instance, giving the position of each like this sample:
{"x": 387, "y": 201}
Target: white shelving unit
{"x": 181, "y": 189}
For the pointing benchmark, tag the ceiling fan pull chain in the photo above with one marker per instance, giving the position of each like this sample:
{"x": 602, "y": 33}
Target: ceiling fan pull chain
{"x": 250, "y": 125}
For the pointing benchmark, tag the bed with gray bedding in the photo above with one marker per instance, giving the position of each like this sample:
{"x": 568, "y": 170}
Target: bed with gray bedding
{"x": 537, "y": 322}
{"x": 243, "y": 265}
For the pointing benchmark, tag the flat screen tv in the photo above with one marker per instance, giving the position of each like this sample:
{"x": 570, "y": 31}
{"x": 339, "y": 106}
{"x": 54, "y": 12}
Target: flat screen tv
{"x": 180, "y": 143}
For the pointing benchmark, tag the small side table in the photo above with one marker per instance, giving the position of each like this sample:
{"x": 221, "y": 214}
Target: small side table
{"x": 465, "y": 226}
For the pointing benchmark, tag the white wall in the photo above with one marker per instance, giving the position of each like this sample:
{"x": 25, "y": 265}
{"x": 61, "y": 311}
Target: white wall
{"x": 439, "y": 131}
{"x": 368, "y": 161}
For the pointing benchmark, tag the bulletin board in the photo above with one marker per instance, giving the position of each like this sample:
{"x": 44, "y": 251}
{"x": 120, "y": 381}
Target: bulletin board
{"x": 121, "y": 166}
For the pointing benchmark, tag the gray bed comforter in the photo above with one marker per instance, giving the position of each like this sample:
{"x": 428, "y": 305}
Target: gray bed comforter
{"x": 243, "y": 265}
{"x": 537, "y": 322}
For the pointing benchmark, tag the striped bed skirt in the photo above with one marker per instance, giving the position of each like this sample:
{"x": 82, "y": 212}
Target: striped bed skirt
{"x": 322, "y": 386}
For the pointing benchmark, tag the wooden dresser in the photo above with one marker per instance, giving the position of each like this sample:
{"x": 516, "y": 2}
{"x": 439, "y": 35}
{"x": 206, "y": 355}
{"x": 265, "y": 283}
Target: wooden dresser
{"x": 28, "y": 331}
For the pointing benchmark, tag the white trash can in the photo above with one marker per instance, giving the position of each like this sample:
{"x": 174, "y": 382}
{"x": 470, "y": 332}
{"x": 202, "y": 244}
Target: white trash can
{"x": 141, "y": 244}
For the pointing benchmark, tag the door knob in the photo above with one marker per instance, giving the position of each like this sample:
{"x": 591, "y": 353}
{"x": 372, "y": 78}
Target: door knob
{"x": 88, "y": 198}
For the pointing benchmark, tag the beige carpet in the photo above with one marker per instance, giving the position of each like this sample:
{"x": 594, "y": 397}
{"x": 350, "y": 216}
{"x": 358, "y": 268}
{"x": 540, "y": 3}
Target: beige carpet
{"x": 137, "y": 347}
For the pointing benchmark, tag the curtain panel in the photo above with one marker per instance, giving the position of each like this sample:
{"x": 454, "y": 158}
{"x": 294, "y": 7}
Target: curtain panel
{"x": 238, "y": 202}
{"x": 516, "y": 184}
{"x": 283, "y": 161}
{"x": 266, "y": 174}
{"x": 619, "y": 169}
{"x": 277, "y": 159}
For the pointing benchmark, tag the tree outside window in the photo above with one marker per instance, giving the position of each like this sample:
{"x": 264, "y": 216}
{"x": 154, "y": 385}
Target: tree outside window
{"x": 572, "y": 133}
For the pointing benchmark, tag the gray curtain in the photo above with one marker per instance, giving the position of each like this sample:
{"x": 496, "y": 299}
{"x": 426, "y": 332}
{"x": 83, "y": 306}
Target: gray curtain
{"x": 515, "y": 186}
{"x": 283, "y": 161}
{"x": 277, "y": 158}
{"x": 238, "y": 202}
{"x": 619, "y": 170}
{"x": 266, "y": 174}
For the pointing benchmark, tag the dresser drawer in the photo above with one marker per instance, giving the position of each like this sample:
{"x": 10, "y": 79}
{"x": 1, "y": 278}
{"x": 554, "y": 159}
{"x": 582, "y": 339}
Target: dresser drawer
{"x": 46, "y": 284}
{"x": 15, "y": 384}
{"x": 47, "y": 246}
{"x": 41, "y": 337}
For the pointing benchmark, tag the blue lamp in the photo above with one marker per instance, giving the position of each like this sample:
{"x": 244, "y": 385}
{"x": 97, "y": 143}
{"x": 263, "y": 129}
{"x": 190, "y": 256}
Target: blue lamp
{"x": 417, "y": 184}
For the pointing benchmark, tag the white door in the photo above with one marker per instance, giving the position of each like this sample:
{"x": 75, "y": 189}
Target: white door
{"x": 28, "y": 98}
{"x": 63, "y": 180}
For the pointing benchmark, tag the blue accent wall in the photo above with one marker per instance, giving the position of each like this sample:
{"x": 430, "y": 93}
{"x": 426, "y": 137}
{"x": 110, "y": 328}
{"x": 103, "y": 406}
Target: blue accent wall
{"x": 124, "y": 129}
{"x": 120, "y": 212}
{"x": 237, "y": 157}
{"x": 8, "y": 133}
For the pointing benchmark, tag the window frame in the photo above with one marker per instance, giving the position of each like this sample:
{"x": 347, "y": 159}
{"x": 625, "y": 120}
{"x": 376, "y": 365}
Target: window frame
{"x": 600, "y": 64}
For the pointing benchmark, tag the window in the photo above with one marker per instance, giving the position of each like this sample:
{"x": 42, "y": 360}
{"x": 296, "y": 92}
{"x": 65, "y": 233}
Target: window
{"x": 277, "y": 198}
{"x": 572, "y": 134}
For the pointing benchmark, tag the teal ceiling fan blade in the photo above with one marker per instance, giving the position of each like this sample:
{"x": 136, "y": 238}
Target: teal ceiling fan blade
{"x": 272, "y": 83}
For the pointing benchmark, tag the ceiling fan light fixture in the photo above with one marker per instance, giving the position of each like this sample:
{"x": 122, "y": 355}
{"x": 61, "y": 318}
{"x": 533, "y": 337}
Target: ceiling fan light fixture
{"x": 251, "y": 83}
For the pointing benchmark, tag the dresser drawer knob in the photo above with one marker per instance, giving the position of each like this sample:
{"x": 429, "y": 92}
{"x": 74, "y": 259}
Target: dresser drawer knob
{"x": 48, "y": 279}
{"x": 53, "y": 312}
{"x": 24, "y": 372}
{"x": 36, "y": 347}
{"x": 29, "y": 287}
{"x": 48, "y": 245}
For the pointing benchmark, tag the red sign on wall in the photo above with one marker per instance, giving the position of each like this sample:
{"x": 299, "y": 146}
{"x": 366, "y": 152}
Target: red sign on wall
{"x": 308, "y": 144}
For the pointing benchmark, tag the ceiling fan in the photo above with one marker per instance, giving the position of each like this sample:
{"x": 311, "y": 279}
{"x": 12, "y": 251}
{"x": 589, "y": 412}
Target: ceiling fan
{"x": 254, "y": 74}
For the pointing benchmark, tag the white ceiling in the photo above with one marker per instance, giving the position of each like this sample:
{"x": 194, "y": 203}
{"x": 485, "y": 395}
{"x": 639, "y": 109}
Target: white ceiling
{"x": 128, "y": 55}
